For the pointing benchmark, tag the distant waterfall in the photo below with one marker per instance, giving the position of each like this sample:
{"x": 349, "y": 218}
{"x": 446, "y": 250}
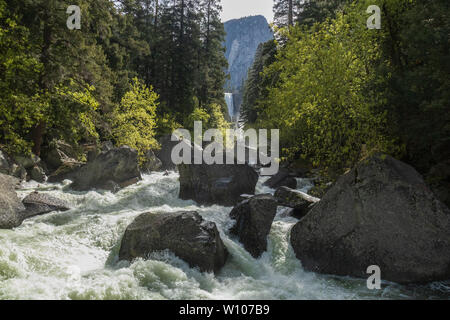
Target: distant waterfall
{"x": 230, "y": 104}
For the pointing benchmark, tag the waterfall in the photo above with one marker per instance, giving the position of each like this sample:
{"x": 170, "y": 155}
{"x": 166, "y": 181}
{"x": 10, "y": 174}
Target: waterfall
{"x": 230, "y": 104}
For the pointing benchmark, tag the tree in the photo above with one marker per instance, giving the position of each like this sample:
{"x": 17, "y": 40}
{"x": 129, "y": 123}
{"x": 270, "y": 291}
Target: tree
{"x": 134, "y": 119}
{"x": 321, "y": 98}
{"x": 256, "y": 85}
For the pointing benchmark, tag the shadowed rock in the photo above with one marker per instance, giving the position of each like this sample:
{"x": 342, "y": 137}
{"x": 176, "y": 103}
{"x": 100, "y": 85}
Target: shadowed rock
{"x": 380, "y": 213}
{"x": 281, "y": 179}
{"x": 254, "y": 219}
{"x": 38, "y": 204}
{"x": 301, "y": 202}
{"x": 118, "y": 167}
{"x": 10, "y": 206}
{"x": 216, "y": 184}
{"x": 186, "y": 234}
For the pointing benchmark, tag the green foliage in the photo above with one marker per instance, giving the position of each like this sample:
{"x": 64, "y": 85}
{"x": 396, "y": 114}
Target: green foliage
{"x": 256, "y": 84}
{"x": 416, "y": 49}
{"x": 20, "y": 105}
{"x": 57, "y": 83}
{"x": 134, "y": 119}
{"x": 211, "y": 117}
{"x": 322, "y": 102}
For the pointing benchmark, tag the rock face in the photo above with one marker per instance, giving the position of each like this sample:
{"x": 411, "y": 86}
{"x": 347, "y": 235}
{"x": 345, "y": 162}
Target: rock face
{"x": 380, "y": 213}
{"x": 152, "y": 162}
{"x": 9, "y": 167}
{"x": 10, "y": 206}
{"x": 281, "y": 179}
{"x": 254, "y": 219}
{"x": 58, "y": 153}
{"x": 165, "y": 153}
{"x": 65, "y": 171}
{"x": 216, "y": 184}
{"x": 116, "y": 167}
{"x": 37, "y": 174}
{"x": 38, "y": 204}
{"x": 439, "y": 181}
{"x": 301, "y": 202}
{"x": 186, "y": 234}
{"x": 242, "y": 39}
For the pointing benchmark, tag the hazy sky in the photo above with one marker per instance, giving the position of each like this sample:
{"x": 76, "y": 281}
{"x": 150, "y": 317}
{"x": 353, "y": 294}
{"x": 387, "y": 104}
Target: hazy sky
{"x": 233, "y": 9}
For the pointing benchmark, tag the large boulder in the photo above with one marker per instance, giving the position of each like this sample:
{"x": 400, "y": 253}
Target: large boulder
{"x": 117, "y": 167}
{"x": 186, "y": 234}
{"x": 151, "y": 163}
{"x": 216, "y": 183}
{"x": 379, "y": 213}
{"x": 254, "y": 219}
{"x": 37, "y": 204}
{"x": 282, "y": 179}
{"x": 27, "y": 161}
{"x": 10, "y": 206}
{"x": 165, "y": 153}
{"x": 58, "y": 153}
{"x": 9, "y": 167}
{"x": 299, "y": 201}
{"x": 37, "y": 173}
{"x": 439, "y": 181}
{"x": 66, "y": 171}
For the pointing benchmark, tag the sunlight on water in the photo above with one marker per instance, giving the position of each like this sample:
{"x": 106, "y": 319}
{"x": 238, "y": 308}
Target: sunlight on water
{"x": 74, "y": 255}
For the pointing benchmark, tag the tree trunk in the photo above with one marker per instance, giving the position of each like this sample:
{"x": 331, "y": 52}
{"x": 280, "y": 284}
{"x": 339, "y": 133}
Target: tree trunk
{"x": 291, "y": 13}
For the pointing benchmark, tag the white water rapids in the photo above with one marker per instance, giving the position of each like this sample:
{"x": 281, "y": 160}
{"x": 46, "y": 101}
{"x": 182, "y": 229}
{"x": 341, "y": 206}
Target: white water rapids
{"x": 73, "y": 255}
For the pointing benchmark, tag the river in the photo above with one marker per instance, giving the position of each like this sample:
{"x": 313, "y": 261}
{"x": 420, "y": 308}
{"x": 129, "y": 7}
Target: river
{"x": 73, "y": 255}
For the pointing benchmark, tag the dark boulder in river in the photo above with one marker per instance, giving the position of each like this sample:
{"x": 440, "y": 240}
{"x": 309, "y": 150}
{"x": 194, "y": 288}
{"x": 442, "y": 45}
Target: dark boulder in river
{"x": 380, "y": 213}
{"x": 216, "y": 183}
{"x": 10, "y": 206}
{"x": 254, "y": 219}
{"x": 111, "y": 169}
{"x": 152, "y": 163}
{"x": 38, "y": 204}
{"x": 165, "y": 153}
{"x": 186, "y": 234}
{"x": 282, "y": 179}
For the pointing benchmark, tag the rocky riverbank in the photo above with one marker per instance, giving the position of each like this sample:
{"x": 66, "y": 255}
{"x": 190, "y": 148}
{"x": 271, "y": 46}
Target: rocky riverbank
{"x": 380, "y": 213}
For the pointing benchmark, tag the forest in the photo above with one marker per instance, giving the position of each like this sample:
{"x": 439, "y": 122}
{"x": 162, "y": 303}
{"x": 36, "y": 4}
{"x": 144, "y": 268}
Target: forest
{"x": 138, "y": 69}
{"x": 341, "y": 91}
{"x": 134, "y": 71}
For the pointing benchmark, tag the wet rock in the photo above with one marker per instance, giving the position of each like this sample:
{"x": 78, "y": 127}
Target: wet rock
{"x": 10, "y": 206}
{"x": 38, "y": 204}
{"x": 301, "y": 202}
{"x": 119, "y": 165}
{"x": 186, "y": 234}
{"x": 380, "y": 213}
{"x": 152, "y": 163}
{"x": 65, "y": 171}
{"x": 216, "y": 184}
{"x": 282, "y": 179}
{"x": 58, "y": 153}
{"x": 254, "y": 219}
{"x": 28, "y": 162}
{"x": 37, "y": 174}
{"x": 439, "y": 180}
{"x": 9, "y": 167}
{"x": 165, "y": 153}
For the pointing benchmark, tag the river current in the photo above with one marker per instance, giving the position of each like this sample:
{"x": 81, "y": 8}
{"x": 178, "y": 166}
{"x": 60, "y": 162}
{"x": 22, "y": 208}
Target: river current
{"x": 74, "y": 255}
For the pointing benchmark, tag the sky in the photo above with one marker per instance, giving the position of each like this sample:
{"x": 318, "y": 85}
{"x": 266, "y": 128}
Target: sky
{"x": 234, "y": 9}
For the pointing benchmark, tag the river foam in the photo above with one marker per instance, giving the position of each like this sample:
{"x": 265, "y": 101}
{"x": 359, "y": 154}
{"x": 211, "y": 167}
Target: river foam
{"x": 74, "y": 255}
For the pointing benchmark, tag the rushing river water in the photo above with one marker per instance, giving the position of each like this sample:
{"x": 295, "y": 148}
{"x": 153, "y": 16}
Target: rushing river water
{"x": 73, "y": 255}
